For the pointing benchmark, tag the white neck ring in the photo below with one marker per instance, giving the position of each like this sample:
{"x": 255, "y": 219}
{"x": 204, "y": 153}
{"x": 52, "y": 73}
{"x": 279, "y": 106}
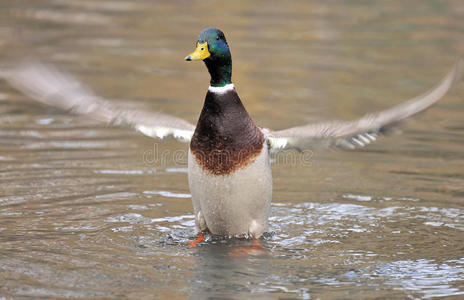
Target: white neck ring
{"x": 221, "y": 89}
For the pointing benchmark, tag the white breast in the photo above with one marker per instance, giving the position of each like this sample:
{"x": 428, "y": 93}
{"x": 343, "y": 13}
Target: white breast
{"x": 237, "y": 204}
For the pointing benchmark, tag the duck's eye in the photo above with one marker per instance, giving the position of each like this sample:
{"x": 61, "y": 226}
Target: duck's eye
{"x": 218, "y": 38}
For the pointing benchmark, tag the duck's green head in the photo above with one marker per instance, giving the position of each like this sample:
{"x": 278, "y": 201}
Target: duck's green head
{"x": 212, "y": 48}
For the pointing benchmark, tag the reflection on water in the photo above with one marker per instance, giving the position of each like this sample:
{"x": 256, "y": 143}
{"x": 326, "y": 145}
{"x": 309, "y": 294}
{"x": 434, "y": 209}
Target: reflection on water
{"x": 83, "y": 215}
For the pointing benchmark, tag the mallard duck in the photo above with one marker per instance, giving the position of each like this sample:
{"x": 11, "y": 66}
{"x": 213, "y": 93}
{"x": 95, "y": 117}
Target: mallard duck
{"x": 229, "y": 170}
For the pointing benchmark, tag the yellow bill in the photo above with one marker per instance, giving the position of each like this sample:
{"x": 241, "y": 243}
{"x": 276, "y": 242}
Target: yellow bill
{"x": 200, "y": 53}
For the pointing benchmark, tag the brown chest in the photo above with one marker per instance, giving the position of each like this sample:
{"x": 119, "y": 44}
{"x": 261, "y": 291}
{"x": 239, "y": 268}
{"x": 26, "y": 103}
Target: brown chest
{"x": 225, "y": 139}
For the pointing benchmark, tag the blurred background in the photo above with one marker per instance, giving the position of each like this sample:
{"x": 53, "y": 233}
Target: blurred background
{"x": 83, "y": 214}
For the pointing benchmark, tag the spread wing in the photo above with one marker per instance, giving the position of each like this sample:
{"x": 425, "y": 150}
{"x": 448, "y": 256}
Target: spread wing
{"x": 358, "y": 133}
{"x": 46, "y": 84}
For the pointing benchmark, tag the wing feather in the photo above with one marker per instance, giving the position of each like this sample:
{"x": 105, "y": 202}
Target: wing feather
{"x": 361, "y": 132}
{"x": 46, "y": 84}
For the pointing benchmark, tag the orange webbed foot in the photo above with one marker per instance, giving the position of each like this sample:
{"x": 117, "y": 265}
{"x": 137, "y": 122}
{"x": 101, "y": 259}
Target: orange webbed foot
{"x": 200, "y": 238}
{"x": 254, "y": 250}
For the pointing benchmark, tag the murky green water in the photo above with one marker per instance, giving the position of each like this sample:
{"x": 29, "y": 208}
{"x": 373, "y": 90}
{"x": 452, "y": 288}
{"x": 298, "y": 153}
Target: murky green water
{"x": 85, "y": 213}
